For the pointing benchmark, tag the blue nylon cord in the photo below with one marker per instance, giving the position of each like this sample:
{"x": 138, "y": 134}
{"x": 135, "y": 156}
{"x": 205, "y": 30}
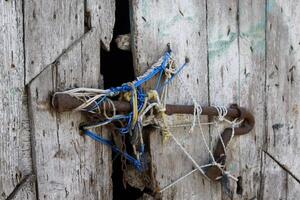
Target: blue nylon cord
{"x": 97, "y": 103}
{"x": 155, "y": 71}
{"x": 158, "y": 80}
{"x": 136, "y": 163}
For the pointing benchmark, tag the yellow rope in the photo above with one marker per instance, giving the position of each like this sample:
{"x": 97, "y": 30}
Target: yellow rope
{"x": 165, "y": 129}
{"x": 153, "y": 95}
{"x": 134, "y": 106}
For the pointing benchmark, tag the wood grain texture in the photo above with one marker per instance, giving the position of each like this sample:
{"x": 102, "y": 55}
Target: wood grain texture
{"x": 240, "y": 51}
{"x": 246, "y": 154}
{"x": 183, "y": 24}
{"x": 223, "y": 65}
{"x": 283, "y": 83}
{"x": 15, "y": 156}
{"x": 50, "y": 28}
{"x": 278, "y": 184}
{"x": 283, "y": 86}
{"x": 223, "y": 51}
{"x": 102, "y": 19}
{"x": 68, "y": 165}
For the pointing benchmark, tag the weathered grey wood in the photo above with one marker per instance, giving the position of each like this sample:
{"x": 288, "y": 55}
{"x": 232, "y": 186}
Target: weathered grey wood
{"x": 183, "y": 24}
{"x": 102, "y": 19}
{"x": 225, "y": 41}
{"x": 247, "y": 151}
{"x": 278, "y": 184}
{"x": 50, "y": 27}
{"x": 222, "y": 29}
{"x": 15, "y": 156}
{"x": 69, "y": 165}
{"x": 282, "y": 91}
{"x": 223, "y": 65}
{"x": 283, "y": 83}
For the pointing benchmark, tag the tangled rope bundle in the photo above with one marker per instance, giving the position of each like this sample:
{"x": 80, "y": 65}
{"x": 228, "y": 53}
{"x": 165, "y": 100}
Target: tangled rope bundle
{"x": 147, "y": 108}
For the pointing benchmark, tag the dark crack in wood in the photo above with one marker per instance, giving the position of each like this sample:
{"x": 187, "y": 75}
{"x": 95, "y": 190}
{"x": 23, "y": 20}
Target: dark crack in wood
{"x": 64, "y": 51}
{"x": 283, "y": 166}
{"x": 20, "y": 185}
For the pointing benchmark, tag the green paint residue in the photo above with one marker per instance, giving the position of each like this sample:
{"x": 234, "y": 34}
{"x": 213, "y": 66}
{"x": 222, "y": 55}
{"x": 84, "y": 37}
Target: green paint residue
{"x": 166, "y": 25}
{"x": 220, "y": 46}
{"x": 255, "y": 35}
{"x": 145, "y": 7}
{"x": 270, "y": 5}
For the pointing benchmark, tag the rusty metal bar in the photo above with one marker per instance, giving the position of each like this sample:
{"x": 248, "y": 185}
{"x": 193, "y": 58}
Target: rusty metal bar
{"x": 65, "y": 102}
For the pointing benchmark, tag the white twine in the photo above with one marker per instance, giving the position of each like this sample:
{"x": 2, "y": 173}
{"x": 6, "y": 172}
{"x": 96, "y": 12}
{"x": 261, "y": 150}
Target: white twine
{"x": 187, "y": 154}
{"x": 178, "y": 180}
{"x": 222, "y": 112}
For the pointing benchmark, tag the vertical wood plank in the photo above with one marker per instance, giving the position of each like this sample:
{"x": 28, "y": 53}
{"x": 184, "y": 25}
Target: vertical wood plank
{"x": 183, "y": 24}
{"x": 277, "y": 183}
{"x": 283, "y": 83}
{"x": 247, "y": 152}
{"x": 104, "y": 24}
{"x": 283, "y": 86}
{"x": 50, "y": 28}
{"x": 15, "y": 156}
{"x": 68, "y": 165}
{"x": 223, "y": 64}
{"x": 223, "y": 51}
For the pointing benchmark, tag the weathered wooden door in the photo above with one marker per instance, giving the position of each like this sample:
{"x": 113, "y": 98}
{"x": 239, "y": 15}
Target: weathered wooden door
{"x": 240, "y": 51}
{"x": 48, "y": 46}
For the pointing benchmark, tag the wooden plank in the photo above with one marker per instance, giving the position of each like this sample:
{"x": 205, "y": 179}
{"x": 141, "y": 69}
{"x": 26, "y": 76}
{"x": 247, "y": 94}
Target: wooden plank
{"x": 278, "y": 184}
{"x": 157, "y": 23}
{"x": 223, "y": 51}
{"x": 283, "y": 83}
{"x": 50, "y": 28}
{"x": 223, "y": 64}
{"x": 15, "y": 156}
{"x": 24, "y": 189}
{"x": 246, "y": 156}
{"x": 104, "y": 24}
{"x": 69, "y": 166}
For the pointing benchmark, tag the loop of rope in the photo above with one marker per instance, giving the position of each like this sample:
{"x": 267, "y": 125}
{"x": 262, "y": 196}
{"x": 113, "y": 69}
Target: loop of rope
{"x": 222, "y": 112}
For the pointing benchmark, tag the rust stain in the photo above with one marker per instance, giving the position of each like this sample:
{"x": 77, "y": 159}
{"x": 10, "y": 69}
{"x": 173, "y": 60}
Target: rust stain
{"x": 43, "y": 105}
{"x": 295, "y": 109}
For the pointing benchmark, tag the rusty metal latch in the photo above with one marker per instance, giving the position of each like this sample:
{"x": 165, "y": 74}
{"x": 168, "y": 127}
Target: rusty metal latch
{"x": 64, "y": 102}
